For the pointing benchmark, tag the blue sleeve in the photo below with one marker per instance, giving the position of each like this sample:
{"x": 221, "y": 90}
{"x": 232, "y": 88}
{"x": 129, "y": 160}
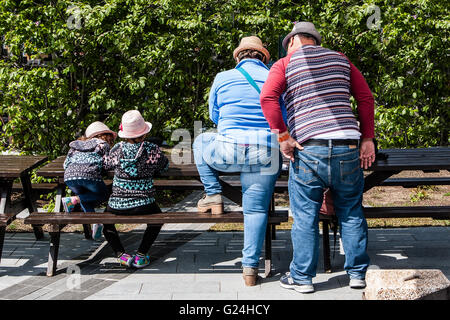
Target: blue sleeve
{"x": 283, "y": 109}
{"x": 213, "y": 107}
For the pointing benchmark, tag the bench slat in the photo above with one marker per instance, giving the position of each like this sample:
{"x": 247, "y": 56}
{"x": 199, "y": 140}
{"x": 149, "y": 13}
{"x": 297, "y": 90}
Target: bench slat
{"x": 407, "y": 212}
{"x": 158, "y": 218}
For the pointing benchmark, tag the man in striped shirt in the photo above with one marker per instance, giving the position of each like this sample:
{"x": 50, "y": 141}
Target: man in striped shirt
{"x": 327, "y": 147}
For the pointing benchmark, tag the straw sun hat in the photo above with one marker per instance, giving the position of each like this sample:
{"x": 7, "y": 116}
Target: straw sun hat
{"x": 96, "y": 128}
{"x": 254, "y": 43}
{"x": 133, "y": 125}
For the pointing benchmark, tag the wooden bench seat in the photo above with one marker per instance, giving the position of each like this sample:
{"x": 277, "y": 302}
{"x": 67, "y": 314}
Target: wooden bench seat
{"x": 435, "y": 212}
{"x": 40, "y": 187}
{"x": 59, "y": 220}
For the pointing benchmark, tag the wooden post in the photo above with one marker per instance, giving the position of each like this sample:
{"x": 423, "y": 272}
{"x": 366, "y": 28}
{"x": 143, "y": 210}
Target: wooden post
{"x": 2, "y": 239}
{"x": 29, "y": 202}
{"x": 326, "y": 246}
{"x": 268, "y": 253}
{"x": 87, "y": 231}
{"x": 60, "y": 192}
{"x": 272, "y": 212}
{"x": 54, "y": 249}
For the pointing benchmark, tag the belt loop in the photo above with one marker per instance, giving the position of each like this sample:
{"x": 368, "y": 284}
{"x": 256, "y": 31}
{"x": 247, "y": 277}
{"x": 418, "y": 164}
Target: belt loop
{"x": 330, "y": 143}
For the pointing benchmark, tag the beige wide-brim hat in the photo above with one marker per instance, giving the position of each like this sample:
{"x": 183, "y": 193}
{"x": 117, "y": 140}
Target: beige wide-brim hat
{"x": 253, "y": 43}
{"x": 133, "y": 125}
{"x": 96, "y": 128}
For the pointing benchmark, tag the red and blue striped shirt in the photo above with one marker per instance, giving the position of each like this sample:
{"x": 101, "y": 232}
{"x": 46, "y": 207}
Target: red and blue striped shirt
{"x": 317, "y": 83}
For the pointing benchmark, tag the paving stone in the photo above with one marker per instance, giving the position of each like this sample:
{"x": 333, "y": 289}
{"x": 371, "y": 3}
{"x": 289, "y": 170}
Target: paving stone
{"x": 123, "y": 288}
{"x": 158, "y": 286}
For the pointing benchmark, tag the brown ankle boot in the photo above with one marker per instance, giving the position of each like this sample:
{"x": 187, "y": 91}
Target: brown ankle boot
{"x": 213, "y": 202}
{"x": 250, "y": 276}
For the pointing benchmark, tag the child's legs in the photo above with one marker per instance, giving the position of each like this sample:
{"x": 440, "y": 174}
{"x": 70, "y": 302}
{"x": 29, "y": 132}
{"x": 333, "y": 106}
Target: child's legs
{"x": 150, "y": 234}
{"x": 112, "y": 236}
{"x": 90, "y": 192}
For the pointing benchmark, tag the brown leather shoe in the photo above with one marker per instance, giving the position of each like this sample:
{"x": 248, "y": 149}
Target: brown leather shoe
{"x": 250, "y": 276}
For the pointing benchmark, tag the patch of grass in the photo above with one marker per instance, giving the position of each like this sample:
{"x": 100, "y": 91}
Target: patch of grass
{"x": 372, "y": 223}
{"x": 421, "y": 193}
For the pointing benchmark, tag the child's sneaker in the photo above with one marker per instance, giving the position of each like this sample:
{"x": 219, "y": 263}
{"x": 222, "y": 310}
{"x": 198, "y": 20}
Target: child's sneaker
{"x": 140, "y": 261}
{"x": 97, "y": 229}
{"x": 126, "y": 260}
{"x": 69, "y": 203}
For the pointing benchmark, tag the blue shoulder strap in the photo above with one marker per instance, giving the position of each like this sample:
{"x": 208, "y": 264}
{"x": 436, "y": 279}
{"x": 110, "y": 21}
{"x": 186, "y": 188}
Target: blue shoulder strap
{"x": 249, "y": 79}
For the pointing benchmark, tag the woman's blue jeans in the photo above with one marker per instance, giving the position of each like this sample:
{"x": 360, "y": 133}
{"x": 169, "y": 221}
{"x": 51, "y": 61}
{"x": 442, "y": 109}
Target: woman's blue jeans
{"x": 90, "y": 192}
{"x": 316, "y": 168}
{"x": 259, "y": 168}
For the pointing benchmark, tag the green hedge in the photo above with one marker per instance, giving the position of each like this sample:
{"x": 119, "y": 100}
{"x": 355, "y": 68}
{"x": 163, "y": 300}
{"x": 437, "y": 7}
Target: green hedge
{"x": 161, "y": 58}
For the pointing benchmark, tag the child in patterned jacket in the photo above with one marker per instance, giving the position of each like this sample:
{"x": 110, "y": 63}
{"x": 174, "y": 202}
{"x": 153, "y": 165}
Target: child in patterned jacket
{"x": 83, "y": 169}
{"x": 135, "y": 162}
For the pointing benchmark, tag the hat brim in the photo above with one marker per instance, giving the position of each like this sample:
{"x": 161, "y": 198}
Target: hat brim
{"x": 257, "y": 48}
{"x": 293, "y": 33}
{"x": 124, "y": 135}
{"x": 103, "y": 132}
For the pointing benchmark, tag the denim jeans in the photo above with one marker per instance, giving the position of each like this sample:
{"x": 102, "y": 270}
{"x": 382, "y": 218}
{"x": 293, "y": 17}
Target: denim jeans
{"x": 90, "y": 192}
{"x": 316, "y": 168}
{"x": 259, "y": 168}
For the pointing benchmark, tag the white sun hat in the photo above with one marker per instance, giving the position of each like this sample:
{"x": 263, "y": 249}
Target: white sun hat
{"x": 96, "y": 128}
{"x": 133, "y": 125}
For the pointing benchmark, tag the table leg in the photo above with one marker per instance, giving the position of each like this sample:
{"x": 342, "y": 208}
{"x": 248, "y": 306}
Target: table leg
{"x": 87, "y": 231}
{"x": 6, "y": 187}
{"x": 29, "y": 202}
{"x": 2, "y": 239}
{"x": 60, "y": 193}
{"x": 271, "y": 212}
{"x": 232, "y": 193}
{"x": 326, "y": 246}
{"x": 268, "y": 253}
{"x": 54, "y": 249}
{"x": 3, "y": 201}
{"x": 376, "y": 177}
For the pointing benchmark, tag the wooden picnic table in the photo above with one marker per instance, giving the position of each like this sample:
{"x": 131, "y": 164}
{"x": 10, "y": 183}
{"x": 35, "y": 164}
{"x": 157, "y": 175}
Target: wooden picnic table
{"x": 14, "y": 167}
{"x": 388, "y": 163}
{"x": 167, "y": 180}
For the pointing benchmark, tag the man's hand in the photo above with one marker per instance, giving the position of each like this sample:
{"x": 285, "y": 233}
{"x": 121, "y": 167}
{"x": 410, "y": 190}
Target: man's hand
{"x": 367, "y": 152}
{"x": 288, "y": 146}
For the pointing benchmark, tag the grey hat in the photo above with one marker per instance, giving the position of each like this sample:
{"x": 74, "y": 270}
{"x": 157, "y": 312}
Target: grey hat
{"x": 302, "y": 27}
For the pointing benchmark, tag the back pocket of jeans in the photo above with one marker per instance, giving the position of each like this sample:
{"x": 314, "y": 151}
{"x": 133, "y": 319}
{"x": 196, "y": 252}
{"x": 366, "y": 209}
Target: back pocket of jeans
{"x": 350, "y": 171}
{"x": 306, "y": 170}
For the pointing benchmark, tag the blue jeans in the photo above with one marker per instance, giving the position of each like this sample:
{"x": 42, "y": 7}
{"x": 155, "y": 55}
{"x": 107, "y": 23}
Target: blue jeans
{"x": 259, "y": 168}
{"x": 316, "y": 168}
{"x": 90, "y": 192}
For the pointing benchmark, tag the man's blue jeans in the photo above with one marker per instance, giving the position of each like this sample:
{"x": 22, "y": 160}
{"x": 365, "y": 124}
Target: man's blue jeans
{"x": 316, "y": 168}
{"x": 90, "y": 192}
{"x": 259, "y": 168}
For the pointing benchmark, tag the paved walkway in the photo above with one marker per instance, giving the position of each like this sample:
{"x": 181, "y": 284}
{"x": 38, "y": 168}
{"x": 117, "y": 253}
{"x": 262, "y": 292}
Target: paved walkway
{"x": 192, "y": 263}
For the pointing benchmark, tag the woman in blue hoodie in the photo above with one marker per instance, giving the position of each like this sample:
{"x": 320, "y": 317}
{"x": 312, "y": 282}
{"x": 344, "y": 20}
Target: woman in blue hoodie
{"x": 83, "y": 170}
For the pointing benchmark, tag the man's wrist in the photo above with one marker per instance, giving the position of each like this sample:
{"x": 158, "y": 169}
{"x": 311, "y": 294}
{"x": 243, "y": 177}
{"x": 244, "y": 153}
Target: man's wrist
{"x": 283, "y": 136}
